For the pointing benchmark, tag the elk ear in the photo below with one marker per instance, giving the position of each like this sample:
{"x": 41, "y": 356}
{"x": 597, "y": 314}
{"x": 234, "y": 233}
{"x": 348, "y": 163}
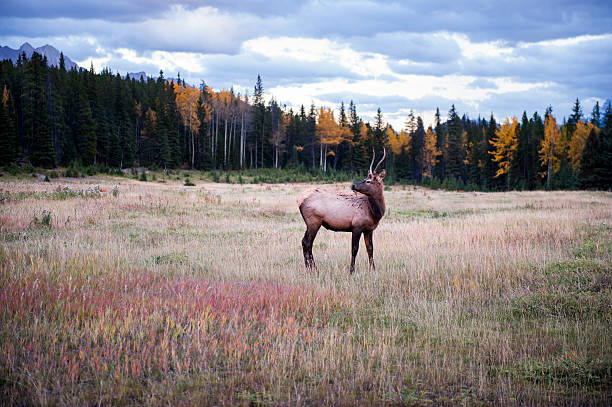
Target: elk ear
{"x": 382, "y": 174}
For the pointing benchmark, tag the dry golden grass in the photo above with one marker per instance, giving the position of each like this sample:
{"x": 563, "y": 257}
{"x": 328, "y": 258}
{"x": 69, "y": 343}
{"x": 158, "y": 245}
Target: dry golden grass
{"x": 167, "y": 294}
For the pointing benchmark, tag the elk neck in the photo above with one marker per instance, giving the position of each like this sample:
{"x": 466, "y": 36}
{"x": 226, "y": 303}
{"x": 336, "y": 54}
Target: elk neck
{"x": 377, "y": 206}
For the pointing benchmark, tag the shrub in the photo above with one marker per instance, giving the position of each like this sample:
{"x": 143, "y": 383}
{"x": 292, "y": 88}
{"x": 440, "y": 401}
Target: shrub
{"x": 143, "y": 176}
{"x": 188, "y": 183}
{"x": 12, "y": 169}
{"x": 43, "y": 222}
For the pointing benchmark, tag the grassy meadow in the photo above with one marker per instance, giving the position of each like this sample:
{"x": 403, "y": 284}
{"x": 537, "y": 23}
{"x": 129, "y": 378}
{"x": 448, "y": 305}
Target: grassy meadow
{"x": 163, "y": 294}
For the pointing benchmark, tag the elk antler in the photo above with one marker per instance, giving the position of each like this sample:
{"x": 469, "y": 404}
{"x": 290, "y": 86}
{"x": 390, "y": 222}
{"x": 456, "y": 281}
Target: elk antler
{"x": 381, "y": 160}
{"x": 373, "y": 155}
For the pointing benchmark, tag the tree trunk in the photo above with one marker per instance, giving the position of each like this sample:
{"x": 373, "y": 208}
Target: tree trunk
{"x": 241, "y": 139}
{"x": 225, "y": 144}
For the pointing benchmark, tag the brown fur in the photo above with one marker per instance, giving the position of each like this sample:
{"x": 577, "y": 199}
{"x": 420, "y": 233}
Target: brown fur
{"x": 358, "y": 213}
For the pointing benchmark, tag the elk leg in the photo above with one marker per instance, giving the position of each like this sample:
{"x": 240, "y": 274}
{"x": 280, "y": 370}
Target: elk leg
{"x": 355, "y": 249}
{"x": 367, "y": 238}
{"x": 309, "y": 236}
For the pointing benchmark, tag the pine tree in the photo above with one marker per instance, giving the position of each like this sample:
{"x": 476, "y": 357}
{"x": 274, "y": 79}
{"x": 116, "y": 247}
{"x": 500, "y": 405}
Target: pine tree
{"x": 574, "y": 117}
{"x": 454, "y": 156}
{"x": 8, "y": 130}
{"x": 37, "y": 141}
{"x": 595, "y": 115}
{"x": 596, "y": 161}
{"x": 416, "y": 150}
{"x": 358, "y": 159}
{"x": 84, "y": 132}
{"x": 490, "y": 167}
{"x": 440, "y": 130}
{"x": 259, "y": 121}
{"x": 536, "y": 137}
{"x": 521, "y": 170}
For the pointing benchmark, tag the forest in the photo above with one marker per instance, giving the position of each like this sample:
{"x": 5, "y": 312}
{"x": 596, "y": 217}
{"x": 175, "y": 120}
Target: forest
{"x": 53, "y": 117}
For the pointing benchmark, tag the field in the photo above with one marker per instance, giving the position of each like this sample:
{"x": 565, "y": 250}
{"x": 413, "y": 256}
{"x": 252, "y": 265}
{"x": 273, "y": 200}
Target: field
{"x": 161, "y": 294}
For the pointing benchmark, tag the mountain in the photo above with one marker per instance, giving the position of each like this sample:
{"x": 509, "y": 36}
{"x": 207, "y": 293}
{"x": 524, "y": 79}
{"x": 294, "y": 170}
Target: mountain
{"x": 52, "y": 54}
{"x": 138, "y": 75}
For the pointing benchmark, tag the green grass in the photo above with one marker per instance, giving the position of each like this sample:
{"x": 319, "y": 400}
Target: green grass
{"x": 168, "y": 295}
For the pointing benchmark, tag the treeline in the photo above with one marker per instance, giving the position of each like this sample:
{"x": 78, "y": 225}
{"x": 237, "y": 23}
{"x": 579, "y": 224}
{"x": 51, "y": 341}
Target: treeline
{"x": 52, "y": 117}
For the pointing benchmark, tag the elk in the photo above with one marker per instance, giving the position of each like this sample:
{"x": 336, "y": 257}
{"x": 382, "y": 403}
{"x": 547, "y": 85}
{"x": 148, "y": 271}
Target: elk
{"x": 358, "y": 213}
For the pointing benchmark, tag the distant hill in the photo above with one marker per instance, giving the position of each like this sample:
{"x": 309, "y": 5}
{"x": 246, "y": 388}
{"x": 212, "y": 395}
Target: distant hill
{"x": 137, "y": 75}
{"x": 52, "y": 54}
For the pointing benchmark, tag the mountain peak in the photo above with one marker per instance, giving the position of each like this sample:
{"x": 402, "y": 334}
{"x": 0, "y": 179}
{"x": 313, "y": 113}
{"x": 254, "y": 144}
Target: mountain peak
{"x": 47, "y": 50}
{"x": 26, "y": 47}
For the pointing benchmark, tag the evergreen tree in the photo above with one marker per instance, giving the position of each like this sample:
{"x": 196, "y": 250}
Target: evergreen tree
{"x": 596, "y": 161}
{"x": 259, "y": 121}
{"x": 490, "y": 167}
{"x": 85, "y": 132}
{"x": 454, "y": 156}
{"x": 37, "y": 141}
{"x": 358, "y": 159}
{"x": 8, "y": 130}
{"x": 537, "y": 135}
{"x": 416, "y": 150}
{"x": 595, "y": 115}
{"x": 574, "y": 117}
{"x": 440, "y": 130}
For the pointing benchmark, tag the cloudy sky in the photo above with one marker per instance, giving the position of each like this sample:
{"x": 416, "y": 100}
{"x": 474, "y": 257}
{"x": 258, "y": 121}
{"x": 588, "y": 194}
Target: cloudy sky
{"x": 484, "y": 56}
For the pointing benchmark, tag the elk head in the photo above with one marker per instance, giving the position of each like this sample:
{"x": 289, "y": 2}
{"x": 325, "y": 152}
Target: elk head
{"x": 372, "y": 185}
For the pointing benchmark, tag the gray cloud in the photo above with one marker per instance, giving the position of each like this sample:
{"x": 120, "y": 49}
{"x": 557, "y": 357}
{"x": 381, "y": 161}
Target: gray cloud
{"x": 482, "y": 20}
{"x": 416, "y": 47}
{"x": 135, "y": 10}
{"x": 414, "y": 37}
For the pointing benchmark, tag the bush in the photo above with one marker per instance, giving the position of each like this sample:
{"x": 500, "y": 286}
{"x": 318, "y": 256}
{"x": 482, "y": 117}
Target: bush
{"x": 29, "y": 168}
{"x": 73, "y": 171}
{"x": 188, "y": 183}
{"x": 43, "y": 222}
{"x": 12, "y": 169}
{"x": 53, "y": 174}
{"x": 143, "y": 176}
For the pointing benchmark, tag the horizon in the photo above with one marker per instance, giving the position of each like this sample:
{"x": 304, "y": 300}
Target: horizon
{"x": 510, "y": 61}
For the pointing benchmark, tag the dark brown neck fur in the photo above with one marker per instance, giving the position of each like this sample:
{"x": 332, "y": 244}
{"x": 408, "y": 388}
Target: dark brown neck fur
{"x": 377, "y": 206}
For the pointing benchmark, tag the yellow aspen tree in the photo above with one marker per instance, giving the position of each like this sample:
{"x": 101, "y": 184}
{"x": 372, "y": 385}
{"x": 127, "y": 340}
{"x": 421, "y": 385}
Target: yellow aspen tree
{"x": 577, "y": 142}
{"x": 399, "y": 143}
{"x": 329, "y": 133}
{"x": 186, "y": 102}
{"x": 505, "y": 143}
{"x": 550, "y": 148}
{"x": 430, "y": 153}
